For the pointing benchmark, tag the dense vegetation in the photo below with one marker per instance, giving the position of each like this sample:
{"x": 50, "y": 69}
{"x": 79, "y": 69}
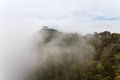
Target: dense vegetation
{"x": 105, "y": 64}
{"x": 107, "y": 57}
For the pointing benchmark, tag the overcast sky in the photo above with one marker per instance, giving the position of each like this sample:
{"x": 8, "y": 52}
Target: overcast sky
{"x": 83, "y": 16}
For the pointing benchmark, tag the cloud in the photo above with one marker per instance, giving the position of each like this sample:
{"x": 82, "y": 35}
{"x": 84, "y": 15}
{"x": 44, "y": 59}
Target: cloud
{"x": 106, "y": 18}
{"x": 83, "y": 15}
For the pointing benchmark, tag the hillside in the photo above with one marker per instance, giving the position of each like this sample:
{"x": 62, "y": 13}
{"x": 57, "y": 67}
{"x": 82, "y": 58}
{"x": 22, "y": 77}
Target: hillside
{"x": 71, "y": 56}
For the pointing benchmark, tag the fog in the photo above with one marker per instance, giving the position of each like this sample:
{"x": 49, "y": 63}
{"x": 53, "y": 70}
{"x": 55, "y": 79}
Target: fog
{"x": 61, "y": 50}
{"x": 17, "y": 54}
{"x": 21, "y": 51}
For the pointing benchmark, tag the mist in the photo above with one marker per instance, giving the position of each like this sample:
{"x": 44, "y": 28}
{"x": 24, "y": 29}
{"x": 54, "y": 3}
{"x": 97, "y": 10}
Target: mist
{"x": 22, "y": 52}
{"x": 57, "y": 51}
{"x": 17, "y": 55}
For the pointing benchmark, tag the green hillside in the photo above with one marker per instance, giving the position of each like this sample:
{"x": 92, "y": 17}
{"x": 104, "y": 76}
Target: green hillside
{"x": 76, "y": 57}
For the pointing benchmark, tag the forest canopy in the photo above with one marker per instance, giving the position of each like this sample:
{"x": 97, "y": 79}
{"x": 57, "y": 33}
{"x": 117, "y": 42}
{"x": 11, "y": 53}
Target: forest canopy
{"x": 76, "y": 57}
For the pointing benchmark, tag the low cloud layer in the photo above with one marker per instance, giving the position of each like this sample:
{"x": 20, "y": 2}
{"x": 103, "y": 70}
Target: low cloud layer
{"x": 17, "y": 55}
{"x": 22, "y": 53}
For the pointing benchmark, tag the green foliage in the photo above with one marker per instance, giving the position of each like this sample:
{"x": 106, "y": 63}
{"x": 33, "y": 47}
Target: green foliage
{"x": 105, "y": 66}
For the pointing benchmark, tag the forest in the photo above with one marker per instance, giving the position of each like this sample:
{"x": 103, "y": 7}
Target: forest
{"x": 71, "y": 56}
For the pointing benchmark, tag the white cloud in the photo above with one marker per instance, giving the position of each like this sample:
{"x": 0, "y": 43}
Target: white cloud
{"x": 65, "y": 13}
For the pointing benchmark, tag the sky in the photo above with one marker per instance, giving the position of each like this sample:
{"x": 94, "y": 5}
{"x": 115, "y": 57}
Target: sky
{"x": 83, "y": 16}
